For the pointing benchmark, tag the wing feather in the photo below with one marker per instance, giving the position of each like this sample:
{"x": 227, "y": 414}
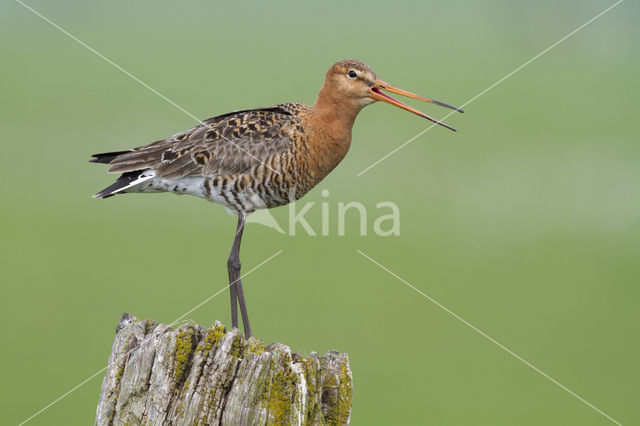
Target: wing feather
{"x": 226, "y": 144}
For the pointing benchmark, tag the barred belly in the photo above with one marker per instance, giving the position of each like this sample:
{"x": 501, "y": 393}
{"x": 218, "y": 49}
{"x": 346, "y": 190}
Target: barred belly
{"x": 225, "y": 190}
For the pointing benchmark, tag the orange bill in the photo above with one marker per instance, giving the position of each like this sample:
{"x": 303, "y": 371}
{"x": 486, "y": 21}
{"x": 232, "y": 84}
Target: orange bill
{"x": 376, "y": 93}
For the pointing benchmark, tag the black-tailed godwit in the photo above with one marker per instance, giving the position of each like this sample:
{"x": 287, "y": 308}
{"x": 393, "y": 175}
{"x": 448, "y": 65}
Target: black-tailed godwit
{"x": 257, "y": 158}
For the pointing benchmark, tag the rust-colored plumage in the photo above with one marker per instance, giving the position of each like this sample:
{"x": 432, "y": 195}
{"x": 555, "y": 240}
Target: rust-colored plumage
{"x": 257, "y": 158}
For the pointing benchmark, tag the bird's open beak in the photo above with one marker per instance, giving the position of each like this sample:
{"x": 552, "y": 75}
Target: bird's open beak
{"x": 379, "y": 86}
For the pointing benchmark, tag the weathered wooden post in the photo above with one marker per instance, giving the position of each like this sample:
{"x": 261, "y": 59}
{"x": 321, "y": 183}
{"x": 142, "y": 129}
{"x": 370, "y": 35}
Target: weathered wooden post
{"x": 209, "y": 376}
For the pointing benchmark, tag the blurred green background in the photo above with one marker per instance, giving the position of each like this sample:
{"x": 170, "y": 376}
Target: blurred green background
{"x": 525, "y": 222}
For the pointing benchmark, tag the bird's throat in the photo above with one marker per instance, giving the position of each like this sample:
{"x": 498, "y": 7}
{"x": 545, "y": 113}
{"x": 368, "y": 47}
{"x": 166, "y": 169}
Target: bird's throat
{"x": 333, "y": 116}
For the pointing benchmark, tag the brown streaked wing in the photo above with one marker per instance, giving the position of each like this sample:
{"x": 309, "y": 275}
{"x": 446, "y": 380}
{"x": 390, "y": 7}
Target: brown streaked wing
{"x": 229, "y": 143}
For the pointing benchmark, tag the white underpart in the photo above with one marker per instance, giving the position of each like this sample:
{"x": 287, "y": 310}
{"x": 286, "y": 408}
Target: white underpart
{"x": 195, "y": 185}
{"x": 192, "y": 185}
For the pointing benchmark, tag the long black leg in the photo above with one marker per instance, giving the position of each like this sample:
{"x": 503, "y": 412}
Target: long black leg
{"x": 234, "y": 296}
{"x": 235, "y": 283}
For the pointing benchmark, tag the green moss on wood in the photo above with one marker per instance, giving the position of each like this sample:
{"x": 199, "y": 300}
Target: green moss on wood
{"x": 345, "y": 393}
{"x": 274, "y": 374}
{"x": 183, "y": 352}
{"x": 149, "y": 326}
{"x": 310, "y": 370}
{"x": 282, "y": 390}
{"x": 237, "y": 348}
{"x": 341, "y": 391}
{"x": 214, "y": 334}
{"x": 119, "y": 374}
{"x": 254, "y": 346}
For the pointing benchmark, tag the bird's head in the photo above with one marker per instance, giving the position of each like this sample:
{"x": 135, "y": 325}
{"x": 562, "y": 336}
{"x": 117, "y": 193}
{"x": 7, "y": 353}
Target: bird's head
{"x": 357, "y": 83}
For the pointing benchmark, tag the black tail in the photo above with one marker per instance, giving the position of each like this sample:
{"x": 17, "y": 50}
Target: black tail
{"x": 123, "y": 181}
{"x": 107, "y": 157}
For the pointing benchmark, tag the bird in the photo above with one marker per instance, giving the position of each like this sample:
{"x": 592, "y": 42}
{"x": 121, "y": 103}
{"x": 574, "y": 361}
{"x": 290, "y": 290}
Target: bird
{"x": 257, "y": 158}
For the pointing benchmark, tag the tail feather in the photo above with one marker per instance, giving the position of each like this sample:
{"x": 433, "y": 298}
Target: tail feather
{"x": 107, "y": 157}
{"x": 125, "y": 181}
{"x": 136, "y": 160}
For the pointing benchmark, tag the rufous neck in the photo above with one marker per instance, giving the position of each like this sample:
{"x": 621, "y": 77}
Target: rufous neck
{"x": 334, "y": 114}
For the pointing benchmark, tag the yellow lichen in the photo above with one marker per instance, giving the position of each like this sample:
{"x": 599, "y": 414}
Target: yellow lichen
{"x": 211, "y": 339}
{"x": 310, "y": 374}
{"x": 254, "y": 346}
{"x": 340, "y": 395}
{"x": 345, "y": 393}
{"x": 282, "y": 390}
{"x": 183, "y": 352}
{"x": 237, "y": 349}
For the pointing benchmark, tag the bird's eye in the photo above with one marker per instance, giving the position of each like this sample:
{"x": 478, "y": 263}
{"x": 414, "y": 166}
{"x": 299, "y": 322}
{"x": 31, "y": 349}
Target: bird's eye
{"x": 352, "y": 74}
